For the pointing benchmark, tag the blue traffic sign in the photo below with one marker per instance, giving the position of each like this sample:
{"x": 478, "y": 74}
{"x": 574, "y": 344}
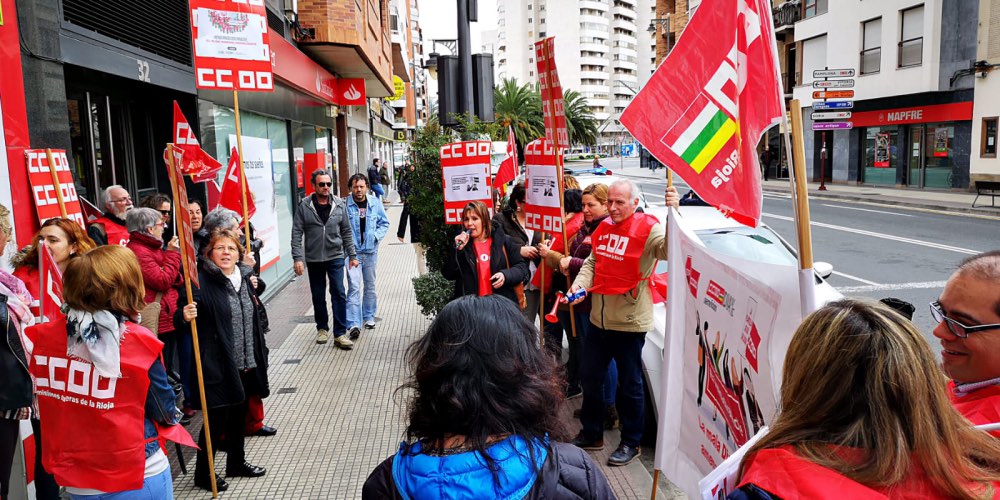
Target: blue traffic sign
{"x": 820, "y": 105}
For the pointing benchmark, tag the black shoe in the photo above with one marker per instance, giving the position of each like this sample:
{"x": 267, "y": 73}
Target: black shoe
{"x": 354, "y": 333}
{"x": 245, "y": 470}
{"x": 266, "y": 430}
{"x": 206, "y": 484}
{"x": 624, "y": 455}
{"x": 588, "y": 444}
{"x": 610, "y": 417}
{"x": 573, "y": 392}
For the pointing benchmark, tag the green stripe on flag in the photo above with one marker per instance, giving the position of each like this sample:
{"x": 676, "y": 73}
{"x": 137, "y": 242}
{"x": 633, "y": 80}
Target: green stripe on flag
{"x": 704, "y": 137}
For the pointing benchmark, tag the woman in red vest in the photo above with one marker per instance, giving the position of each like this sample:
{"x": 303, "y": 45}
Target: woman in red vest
{"x": 64, "y": 238}
{"x": 102, "y": 390}
{"x": 486, "y": 261}
{"x": 865, "y": 414}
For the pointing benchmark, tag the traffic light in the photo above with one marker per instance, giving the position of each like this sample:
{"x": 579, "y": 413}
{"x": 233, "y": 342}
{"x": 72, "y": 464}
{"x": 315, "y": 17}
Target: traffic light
{"x": 448, "y": 105}
{"x": 482, "y": 81}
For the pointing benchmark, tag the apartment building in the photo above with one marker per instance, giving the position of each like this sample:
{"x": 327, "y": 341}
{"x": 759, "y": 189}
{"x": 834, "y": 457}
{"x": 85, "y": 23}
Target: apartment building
{"x": 985, "y": 166}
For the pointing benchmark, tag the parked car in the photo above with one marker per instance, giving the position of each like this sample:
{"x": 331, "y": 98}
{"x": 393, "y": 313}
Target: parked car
{"x": 586, "y": 179}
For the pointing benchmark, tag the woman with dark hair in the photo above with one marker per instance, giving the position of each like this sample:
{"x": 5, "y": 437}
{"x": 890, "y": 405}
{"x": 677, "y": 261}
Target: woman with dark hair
{"x": 511, "y": 221}
{"x": 484, "y": 415}
{"x": 491, "y": 264}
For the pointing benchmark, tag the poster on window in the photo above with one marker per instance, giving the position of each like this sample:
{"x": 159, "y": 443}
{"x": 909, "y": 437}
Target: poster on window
{"x": 941, "y": 142}
{"x": 44, "y": 189}
{"x": 542, "y": 204}
{"x": 465, "y": 172}
{"x": 259, "y": 167}
{"x": 882, "y": 150}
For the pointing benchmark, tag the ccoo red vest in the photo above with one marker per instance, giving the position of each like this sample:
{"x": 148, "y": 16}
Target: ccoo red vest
{"x": 93, "y": 425}
{"x": 117, "y": 233}
{"x": 981, "y": 406}
{"x": 573, "y": 225}
{"x": 617, "y": 252}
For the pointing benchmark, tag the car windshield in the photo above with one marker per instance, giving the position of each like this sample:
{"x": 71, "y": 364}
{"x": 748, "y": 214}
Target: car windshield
{"x": 759, "y": 245}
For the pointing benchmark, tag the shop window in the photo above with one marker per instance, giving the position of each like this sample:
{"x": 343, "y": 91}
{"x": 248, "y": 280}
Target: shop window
{"x": 812, "y": 8}
{"x": 881, "y": 155}
{"x": 871, "y": 46}
{"x": 911, "y": 37}
{"x": 988, "y": 139}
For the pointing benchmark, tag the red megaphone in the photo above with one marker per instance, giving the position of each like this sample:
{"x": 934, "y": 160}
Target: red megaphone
{"x": 551, "y": 316}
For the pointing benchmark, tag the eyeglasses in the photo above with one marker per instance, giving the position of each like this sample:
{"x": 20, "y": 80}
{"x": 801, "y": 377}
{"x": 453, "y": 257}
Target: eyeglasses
{"x": 165, "y": 212}
{"x": 955, "y": 327}
{"x": 324, "y": 184}
{"x": 160, "y": 224}
{"x": 123, "y": 200}
{"x": 224, "y": 248}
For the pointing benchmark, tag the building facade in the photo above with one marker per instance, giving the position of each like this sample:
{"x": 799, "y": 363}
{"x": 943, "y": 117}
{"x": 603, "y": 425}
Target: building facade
{"x": 985, "y": 166}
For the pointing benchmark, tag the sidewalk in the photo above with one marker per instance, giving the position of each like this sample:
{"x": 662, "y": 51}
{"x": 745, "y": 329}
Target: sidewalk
{"x": 337, "y": 412}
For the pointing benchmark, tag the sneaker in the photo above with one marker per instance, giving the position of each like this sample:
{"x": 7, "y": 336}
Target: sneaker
{"x": 343, "y": 342}
{"x": 354, "y": 333}
{"x": 573, "y": 392}
{"x": 588, "y": 444}
{"x": 370, "y": 325}
{"x": 322, "y": 336}
{"x": 624, "y": 455}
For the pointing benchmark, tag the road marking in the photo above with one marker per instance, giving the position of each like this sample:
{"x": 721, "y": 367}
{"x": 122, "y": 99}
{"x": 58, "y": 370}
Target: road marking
{"x": 777, "y": 196}
{"x": 900, "y": 239}
{"x": 891, "y": 287}
{"x": 855, "y": 278}
{"x": 867, "y": 210}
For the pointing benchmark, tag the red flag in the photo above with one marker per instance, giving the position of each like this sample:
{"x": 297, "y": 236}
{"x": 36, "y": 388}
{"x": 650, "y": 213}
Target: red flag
{"x": 196, "y": 162}
{"x": 508, "y": 169}
{"x": 704, "y": 110}
{"x": 52, "y": 288}
{"x": 552, "y": 95}
{"x": 232, "y": 188}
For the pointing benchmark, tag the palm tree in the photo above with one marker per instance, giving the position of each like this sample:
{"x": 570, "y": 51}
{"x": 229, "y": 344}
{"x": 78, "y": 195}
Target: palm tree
{"x": 580, "y": 122}
{"x": 520, "y": 107}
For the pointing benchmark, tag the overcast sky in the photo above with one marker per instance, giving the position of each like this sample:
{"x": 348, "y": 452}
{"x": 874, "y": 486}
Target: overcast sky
{"x": 439, "y": 21}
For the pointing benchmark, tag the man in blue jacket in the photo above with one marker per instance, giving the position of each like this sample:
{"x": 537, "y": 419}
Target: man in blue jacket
{"x": 369, "y": 225}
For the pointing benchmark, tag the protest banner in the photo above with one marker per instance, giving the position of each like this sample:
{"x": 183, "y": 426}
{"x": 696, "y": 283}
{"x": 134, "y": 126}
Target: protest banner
{"x": 551, "y": 93}
{"x": 50, "y": 285}
{"x": 723, "y": 479}
{"x": 542, "y": 182}
{"x": 52, "y": 185}
{"x": 258, "y": 178}
{"x": 465, "y": 174}
{"x": 231, "y": 46}
{"x": 195, "y": 162}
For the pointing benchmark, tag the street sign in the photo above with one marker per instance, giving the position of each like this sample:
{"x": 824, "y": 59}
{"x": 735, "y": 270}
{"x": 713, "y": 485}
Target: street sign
{"x": 833, "y": 94}
{"x": 833, "y": 84}
{"x": 832, "y": 125}
{"x": 821, "y": 105}
{"x": 831, "y": 115}
{"x": 833, "y": 73}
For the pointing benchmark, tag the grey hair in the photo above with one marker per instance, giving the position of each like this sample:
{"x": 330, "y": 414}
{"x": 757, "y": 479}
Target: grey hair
{"x": 633, "y": 188}
{"x": 220, "y": 218}
{"x": 141, "y": 219}
{"x": 106, "y": 194}
{"x": 318, "y": 173}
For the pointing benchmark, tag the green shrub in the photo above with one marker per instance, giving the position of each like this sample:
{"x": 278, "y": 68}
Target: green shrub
{"x": 433, "y": 291}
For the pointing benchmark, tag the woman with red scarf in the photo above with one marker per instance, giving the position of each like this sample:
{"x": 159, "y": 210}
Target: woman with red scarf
{"x": 485, "y": 261}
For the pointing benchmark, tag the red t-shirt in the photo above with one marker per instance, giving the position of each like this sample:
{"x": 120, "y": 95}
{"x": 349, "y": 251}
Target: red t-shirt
{"x": 482, "y": 249}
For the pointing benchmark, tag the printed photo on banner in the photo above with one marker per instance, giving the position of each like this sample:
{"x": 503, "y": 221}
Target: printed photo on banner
{"x": 542, "y": 187}
{"x": 466, "y": 183}
{"x": 542, "y": 204}
{"x": 259, "y": 166}
{"x": 227, "y": 34}
{"x": 465, "y": 177}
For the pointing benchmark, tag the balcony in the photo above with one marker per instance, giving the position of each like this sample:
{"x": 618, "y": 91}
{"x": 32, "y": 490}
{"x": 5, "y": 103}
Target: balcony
{"x": 625, "y": 64}
{"x": 594, "y": 75}
{"x": 588, "y": 90}
{"x": 593, "y": 61}
{"x": 620, "y": 10}
{"x": 590, "y": 4}
{"x": 786, "y": 14}
{"x": 599, "y": 20}
{"x": 625, "y": 24}
{"x": 594, "y": 47}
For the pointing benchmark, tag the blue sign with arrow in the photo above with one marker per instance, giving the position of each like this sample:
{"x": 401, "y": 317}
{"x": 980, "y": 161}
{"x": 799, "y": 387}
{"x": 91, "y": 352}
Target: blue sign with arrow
{"x": 821, "y": 105}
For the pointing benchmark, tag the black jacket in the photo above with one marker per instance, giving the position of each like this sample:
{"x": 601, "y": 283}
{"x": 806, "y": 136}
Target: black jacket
{"x": 462, "y": 269}
{"x": 223, "y": 386}
{"x": 17, "y": 388}
{"x": 568, "y": 472}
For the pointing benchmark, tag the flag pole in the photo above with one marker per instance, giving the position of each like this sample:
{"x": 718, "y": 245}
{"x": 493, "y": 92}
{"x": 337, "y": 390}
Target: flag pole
{"x": 656, "y": 473}
{"x": 801, "y": 193}
{"x": 41, "y": 281}
{"x": 194, "y": 333}
{"x": 243, "y": 172}
{"x": 562, "y": 217}
{"x": 55, "y": 182}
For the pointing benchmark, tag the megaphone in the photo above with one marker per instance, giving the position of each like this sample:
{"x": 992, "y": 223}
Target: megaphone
{"x": 551, "y": 317}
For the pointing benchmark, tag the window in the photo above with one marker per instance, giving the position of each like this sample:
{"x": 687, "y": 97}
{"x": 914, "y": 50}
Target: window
{"x": 529, "y": 20}
{"x": 812, "y": 8}
{"x": 988, "y": 140}
{"x": 871, "y": 46}
{"x": 911, "y": 37}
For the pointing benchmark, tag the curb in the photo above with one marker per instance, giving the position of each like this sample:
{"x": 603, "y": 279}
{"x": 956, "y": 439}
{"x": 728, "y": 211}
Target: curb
{"x": 881, "y": 199}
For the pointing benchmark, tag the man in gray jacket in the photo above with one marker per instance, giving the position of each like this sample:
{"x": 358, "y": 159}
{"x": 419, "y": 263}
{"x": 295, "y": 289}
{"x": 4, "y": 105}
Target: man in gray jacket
{"x": 322, "y": 220}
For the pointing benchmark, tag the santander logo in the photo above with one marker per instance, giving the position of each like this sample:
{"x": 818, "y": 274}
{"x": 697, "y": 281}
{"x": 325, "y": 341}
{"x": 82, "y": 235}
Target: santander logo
{"x": 352, "y": 93}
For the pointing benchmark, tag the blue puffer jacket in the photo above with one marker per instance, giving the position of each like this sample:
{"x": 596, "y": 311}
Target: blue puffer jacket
{"x": 376, "y": 224}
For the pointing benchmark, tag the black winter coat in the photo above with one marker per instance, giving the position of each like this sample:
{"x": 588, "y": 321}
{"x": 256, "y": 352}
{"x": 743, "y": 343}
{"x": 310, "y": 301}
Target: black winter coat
{"x": 462, "y": 269}
{"x": 17, "y": 391}
{"x": 223, "y": 386}
{"x": 568, "y": 472}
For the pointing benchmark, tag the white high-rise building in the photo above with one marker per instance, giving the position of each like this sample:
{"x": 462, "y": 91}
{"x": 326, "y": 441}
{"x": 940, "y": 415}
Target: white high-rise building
{"x": 603, "y": 49}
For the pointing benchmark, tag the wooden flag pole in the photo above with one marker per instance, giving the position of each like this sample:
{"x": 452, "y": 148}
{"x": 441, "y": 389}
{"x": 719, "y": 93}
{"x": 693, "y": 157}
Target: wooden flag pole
{"x": 243, "y": 173}
{"x": 562, "y": 217}
{"x": 656, "y": 481}
{"x": 55, "y": 182}
{"x": 801, "y": 193}
{"x": 194, "y": 337}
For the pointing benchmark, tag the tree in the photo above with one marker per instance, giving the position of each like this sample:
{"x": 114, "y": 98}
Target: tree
{"x": 520, "y": 107}
{"x": 580, "y": 122}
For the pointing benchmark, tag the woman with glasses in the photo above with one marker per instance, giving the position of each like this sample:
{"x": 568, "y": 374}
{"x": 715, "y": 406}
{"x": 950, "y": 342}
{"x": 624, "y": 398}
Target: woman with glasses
{"x": 864, "y": 414}
{"x": 161, "y": 203}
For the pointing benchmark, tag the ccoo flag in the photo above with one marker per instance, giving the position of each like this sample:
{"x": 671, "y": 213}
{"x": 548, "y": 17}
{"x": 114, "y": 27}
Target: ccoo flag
{"x": 705, "y": 108}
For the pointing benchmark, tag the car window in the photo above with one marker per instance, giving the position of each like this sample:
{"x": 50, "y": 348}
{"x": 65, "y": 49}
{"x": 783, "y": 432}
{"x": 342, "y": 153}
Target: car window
{"x": 760, "y": 244}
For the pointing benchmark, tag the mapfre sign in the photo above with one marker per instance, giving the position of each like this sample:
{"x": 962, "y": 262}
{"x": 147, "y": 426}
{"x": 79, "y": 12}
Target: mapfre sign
{"x": 231, "y": 47}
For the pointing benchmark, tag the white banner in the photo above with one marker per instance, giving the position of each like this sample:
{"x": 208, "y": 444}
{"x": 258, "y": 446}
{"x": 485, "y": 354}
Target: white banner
{"x": 257, "y": 162}
{"x": 466, "y": 183}
{"x": 227, "y": 34}
{"x": 729, "y": 325}
{"x": 543, "y": 185}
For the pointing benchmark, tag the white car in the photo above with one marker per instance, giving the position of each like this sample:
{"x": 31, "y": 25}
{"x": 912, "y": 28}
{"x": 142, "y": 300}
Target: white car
{"x": 588, "y": 179}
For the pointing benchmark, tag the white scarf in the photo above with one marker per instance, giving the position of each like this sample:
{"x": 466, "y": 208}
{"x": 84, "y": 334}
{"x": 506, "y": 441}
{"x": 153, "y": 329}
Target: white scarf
{"x": 96, "y": 337}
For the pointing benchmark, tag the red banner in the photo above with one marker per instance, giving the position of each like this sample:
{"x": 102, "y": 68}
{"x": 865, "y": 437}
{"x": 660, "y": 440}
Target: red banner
{"x": 231, "y": 46}
{"x": 232, "y": 189}
{"x": 552, "y": 94}
{"x": 52, "y": 285}
{"x": 705, "y": 108}
{"x": 959, "y": 111}
{"x": 542, "y": 207}
{"x": 465, "y": 173}
{"x": 181, "y": 209}
{"x": 196, "y": 162}
{"x": 44, "y": 188}
{"x": 730, "y": 405}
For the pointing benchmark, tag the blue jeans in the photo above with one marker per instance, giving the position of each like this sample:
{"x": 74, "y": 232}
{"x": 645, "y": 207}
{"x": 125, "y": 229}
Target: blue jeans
{"x": 362, "y": 309}
{"x": 156, "y": 487}
{"x": 377, "y": 189}
{"x": 600, "y": 347}
{"x": 319, "y": 272}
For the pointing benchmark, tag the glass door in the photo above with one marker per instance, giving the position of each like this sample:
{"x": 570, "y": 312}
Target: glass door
{"x": 938, "y": 153}
{"x": 916, "y": 167}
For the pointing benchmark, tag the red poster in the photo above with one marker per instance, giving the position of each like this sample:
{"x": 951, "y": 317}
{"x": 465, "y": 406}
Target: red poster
{"x": 351, "y": 92}
{"x": 730, "y": 405}
{"x": 232, "y": 189}
{"x": 183, "y": 215}
{"x": 43, "y": 189}
{"x": 231, "y": 46}
{"x": 465, "y": 173}
{"x": 543, "y": 210}
{"x": 552, "y": 94}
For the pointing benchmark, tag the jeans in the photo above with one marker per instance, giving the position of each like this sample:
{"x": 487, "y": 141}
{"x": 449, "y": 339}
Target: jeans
{"x": 153, "y": 488}
{"x": 362, "y": 309}
{"x": 600, "y": 347}
{"x": 319, "y": 272}
{"x": 377, "y": 189}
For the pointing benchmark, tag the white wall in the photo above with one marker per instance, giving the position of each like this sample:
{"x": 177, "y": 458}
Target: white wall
{"x": 987, "y": 90}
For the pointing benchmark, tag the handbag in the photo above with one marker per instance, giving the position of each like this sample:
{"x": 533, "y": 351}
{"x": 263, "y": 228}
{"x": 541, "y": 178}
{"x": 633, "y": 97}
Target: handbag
{"x": 522, "y": 301}
{"x": 149, "y": 316}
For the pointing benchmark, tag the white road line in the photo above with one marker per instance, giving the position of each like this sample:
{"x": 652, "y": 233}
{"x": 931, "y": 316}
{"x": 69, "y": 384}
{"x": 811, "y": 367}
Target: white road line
{"x": 891, "y": 287}
{"x": 900, "y": 239}
{"x": 867, "y": 210}
{"x": 855, "y": 278}
{"x": 777, "y": 196}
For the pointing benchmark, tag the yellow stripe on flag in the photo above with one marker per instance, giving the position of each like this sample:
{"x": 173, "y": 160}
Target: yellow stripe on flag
{"x": 714, "y": 146}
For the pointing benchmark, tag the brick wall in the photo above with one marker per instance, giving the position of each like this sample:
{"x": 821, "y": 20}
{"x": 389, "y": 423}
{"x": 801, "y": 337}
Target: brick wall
{"x": 360, "y": 23}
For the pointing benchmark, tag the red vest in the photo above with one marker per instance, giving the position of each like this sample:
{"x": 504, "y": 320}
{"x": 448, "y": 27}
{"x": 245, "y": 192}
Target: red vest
{"x": 93, "y": 426}
{"x": 572, "y": 226}
{"x": 981, "y": 406}
{"x": 617, "y": 251}
{"x": 117, "y": 233}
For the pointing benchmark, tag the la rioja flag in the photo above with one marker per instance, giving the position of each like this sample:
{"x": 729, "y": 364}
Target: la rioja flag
{"x": 508, "y": 168}
{"x": 232, "y": 188}
{"x": 705, "y": 108}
